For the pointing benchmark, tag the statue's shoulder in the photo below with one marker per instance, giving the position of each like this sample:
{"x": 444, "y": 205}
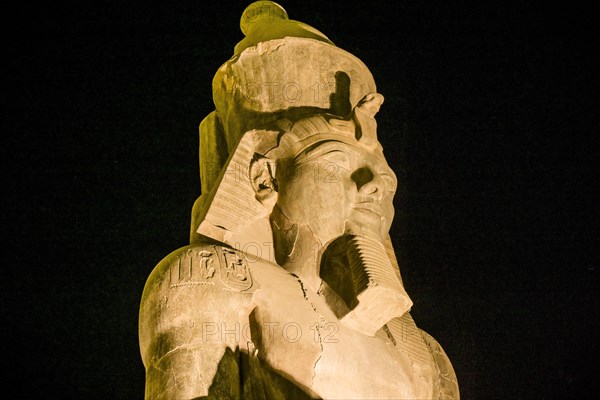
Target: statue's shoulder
{"x": 203, "y": 267}
{"x": 190, "y": 292}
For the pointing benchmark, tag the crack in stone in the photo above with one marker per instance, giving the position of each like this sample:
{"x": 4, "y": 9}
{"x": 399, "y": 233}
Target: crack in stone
{"x": 317, "y": 328}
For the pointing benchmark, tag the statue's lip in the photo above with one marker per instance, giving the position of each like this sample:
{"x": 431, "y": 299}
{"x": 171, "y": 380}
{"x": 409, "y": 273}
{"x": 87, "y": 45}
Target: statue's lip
{"x": 371, "y": 210}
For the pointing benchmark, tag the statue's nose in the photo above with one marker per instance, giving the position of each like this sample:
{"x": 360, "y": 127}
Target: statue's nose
{"x": 373, "y": 189}
{"x": 368, "y": 184}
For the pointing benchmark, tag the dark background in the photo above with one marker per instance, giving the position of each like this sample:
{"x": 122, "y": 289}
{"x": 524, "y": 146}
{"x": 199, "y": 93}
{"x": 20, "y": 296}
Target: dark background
{"x": 489, "y": 121}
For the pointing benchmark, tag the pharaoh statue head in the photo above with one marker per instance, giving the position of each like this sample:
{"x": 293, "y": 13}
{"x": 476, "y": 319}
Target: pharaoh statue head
{"x": 282, "y": 70}
{"x": 303, "y": 170}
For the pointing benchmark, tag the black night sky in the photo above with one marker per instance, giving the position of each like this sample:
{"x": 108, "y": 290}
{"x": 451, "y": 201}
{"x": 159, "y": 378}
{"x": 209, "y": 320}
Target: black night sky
{"x": 489, "y": 122}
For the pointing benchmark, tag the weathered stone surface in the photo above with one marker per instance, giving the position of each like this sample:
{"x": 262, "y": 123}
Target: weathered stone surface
{"x": 290, "y": 287}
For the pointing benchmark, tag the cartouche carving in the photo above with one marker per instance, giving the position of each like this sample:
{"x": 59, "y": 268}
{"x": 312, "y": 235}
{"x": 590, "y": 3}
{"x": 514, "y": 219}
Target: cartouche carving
{"x": 234, "y": 270}
{"x": 290, "y": 287}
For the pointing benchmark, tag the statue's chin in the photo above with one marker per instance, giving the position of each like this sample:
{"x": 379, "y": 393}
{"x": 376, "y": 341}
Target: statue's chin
{"x": 361, "y": 229}
{"x": 367, "y": 224}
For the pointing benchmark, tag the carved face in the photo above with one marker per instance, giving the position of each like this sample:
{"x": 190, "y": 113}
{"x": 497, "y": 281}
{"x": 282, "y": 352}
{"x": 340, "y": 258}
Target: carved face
{"x": 334, "y": 187}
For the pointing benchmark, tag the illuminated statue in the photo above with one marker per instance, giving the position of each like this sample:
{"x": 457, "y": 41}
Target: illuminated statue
{"x": 290, "y": 287}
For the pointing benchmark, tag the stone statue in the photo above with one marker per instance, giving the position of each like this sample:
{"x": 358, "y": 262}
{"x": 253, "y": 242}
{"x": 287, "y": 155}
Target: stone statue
{"x": 290, "y": 287}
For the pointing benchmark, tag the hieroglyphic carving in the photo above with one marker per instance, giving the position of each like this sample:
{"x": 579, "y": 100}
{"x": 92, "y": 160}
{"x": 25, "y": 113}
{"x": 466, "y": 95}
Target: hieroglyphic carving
{"x": 198, "y": 266}
{"x": 192, "y": 267}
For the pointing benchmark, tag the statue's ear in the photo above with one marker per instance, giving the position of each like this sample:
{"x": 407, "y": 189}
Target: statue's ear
{"x": 262, "y": 177}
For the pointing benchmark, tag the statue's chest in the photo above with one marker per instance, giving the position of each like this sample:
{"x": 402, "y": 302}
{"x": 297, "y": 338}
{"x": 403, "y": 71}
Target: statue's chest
{"x": 294, "y": 332}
